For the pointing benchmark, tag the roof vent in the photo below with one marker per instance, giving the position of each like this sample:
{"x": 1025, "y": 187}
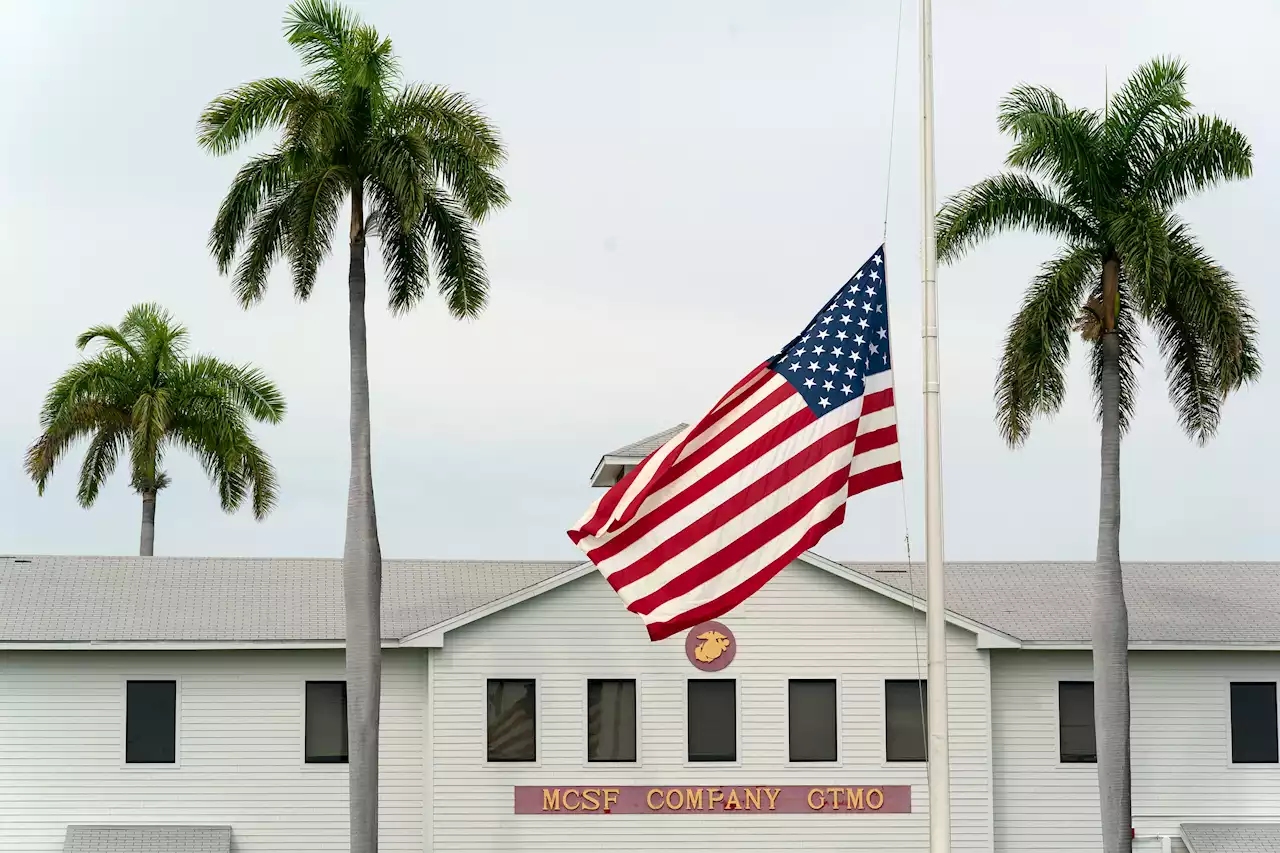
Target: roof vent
{"x": 615, "y": 465}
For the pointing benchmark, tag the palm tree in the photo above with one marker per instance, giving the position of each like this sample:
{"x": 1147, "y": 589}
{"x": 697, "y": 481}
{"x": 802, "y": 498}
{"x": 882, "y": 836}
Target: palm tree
{"x": 418, "y": 167}
{"x": 1106, "y": 184}
{"x": 143, "y": 394}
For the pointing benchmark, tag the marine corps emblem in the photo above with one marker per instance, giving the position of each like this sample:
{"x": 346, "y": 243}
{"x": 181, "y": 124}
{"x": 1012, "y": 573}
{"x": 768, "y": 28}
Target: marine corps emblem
{"x": 710, "y": 646}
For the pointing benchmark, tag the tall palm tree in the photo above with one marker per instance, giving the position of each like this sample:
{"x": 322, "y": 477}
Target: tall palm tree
{"x": 1106, "y": 184}
{"x": 417, "y": 165}
{"x": 143, "y": 394}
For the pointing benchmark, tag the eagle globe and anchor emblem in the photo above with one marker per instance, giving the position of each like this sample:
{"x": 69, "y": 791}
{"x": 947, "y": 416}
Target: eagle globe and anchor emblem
{"x": 710, "y": 646}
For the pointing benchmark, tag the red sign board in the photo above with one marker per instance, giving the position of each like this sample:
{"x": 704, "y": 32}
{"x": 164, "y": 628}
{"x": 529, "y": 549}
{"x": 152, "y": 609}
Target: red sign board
{"x": 690, "y": 799}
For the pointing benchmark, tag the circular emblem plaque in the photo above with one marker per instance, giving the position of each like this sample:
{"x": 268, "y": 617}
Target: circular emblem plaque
{"x": 710, "y": 646}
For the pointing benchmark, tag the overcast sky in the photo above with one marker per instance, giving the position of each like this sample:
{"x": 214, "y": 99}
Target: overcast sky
{"x": 689, "y": 182}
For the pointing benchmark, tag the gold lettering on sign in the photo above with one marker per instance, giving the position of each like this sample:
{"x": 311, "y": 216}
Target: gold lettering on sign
{"x": 731, "y": 802}
{"x": 773, "y": 797}
{"x": 714, "y": 796}
{"x": 749, "y": 796}
{"x": 611, "y": 797}
{"x": 879, "y": 795}
{"x": 853, "y": 799}
{"x": 712, "y": 646}
{"x": 648, "y": 798}
{"x": 835, "y": 798}
{"x": 575, "y": 806}
{"x": 591, "y": 799}
{"x": 679, "y": 802}
{"x": 551, "y": 800}
{"x": 821, "y": 800}
{"x": 693, "y": 799}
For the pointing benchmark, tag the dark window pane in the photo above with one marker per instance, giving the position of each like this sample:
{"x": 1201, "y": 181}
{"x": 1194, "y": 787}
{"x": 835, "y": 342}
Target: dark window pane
{"x": 906, "y": 731}
{"x": 1077, "y": 740}
{"x": 513, "y": 733}
{"x": 1253, "y": 723}
{"x": 325, "y": 739}
{"x": 611, "y": 720}
{"x": 151, "y": 722}
{"x": 713, "y": 720}
{"x": 811, "y": 719}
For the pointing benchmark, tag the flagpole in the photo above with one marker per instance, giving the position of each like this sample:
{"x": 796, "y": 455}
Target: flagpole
{"x": 935, "y": 609}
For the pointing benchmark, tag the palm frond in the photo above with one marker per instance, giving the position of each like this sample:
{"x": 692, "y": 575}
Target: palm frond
{"x": 246, "y": 387}
{"x": 267, "y": 240}
{"x": 1140, "y": 235}
{"x": 111, "y": 334}
{"x": 1192, "y": 155}
{"x": 447, "y": 116}
{"x": 1153, "y": 95}
{"x": 1031, "y": 379}
{"x": 1005, "y": 202}
{"x": 320, "y": 31}
{"x": 259, "y": 179}
{"x": 238, "y": 115}
{"x": 149, "y": 423}
{"x": 1058, "y": 143}
{"x": 404, "y": 244}
{"x": 313, "y": 214}
{"x": 99, "y": 462}
{"x": 459, "y": 267}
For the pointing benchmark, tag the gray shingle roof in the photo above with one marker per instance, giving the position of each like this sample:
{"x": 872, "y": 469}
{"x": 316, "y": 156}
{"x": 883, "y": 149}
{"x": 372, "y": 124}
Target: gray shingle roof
{"x": 82, "y": 599}
{"x": 147, "y": 839}
{"x": 1168, "y": 602}
{"x": 640, "y": 449}
{"x": 1231, "y": 837}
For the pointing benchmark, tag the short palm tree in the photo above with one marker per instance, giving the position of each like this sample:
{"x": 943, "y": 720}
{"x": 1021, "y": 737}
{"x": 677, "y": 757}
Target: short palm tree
{"x": 141, "y": 395}
{"x": 1106, "y": 184}
{"x": 417, "y": 166}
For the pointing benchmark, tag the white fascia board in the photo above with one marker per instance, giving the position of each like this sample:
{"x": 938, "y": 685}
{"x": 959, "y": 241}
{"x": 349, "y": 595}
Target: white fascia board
{"x": 987, "y": 637}
{"x": 433, "y": 636}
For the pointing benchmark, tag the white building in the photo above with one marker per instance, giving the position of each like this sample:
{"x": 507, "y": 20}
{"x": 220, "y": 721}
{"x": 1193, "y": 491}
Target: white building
{"x": 190, "y": 705}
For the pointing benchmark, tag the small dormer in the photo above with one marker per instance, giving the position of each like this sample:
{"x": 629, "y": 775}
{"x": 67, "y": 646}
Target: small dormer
{"x": 614, "y": 466}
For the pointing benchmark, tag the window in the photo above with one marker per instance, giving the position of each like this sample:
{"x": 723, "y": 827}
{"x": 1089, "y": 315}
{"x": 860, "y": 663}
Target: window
{"x": 325, "y": 736}
{"x": 1077, "y": 740}
{"x": 906, "y": 730}
{"x": 512, "y": 720}
{"x": 151, "y": 722}
{"x": 1253, "y": 723}
{"x": 713, "y": 719}
{"x": 811, "y": 719}
{"x": 611, "y": 720}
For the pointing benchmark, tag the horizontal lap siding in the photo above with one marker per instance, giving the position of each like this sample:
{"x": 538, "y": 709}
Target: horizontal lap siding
{"x": 240, "y": 749}
{"x": 1180, "y": 745}
{"x": 804, "y": 623}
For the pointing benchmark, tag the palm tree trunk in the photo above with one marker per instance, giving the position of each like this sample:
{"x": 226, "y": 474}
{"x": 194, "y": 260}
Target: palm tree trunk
{"x": 361, "y": 569}
{"x": 147, "y": 546}
{"x": 1110, "y": 615}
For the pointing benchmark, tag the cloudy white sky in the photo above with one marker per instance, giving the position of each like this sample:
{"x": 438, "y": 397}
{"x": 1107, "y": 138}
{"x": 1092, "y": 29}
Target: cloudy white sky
{"x": 689, "y": 182}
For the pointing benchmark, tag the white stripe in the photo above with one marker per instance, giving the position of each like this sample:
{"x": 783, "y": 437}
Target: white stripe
{"x": 646, "y": 474}
{"x": 590, "y": 513}
{"x": 741, "y": 524}
{"x": 877, "y": 420}
{"x": 777, "y": 415}
{"x": 735, "y": 414}
{"x": 735, "y": 484}
{"x": 739, "y": 391}
{"x": 877, "y": 382}
{"x": 745, "y": 569}
{"x": 877, "y": 458}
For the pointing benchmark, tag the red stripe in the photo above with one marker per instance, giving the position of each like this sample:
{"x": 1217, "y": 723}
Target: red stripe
{"x": 760, "y": 374}
{"x": 733, "y": 465}
{"x": 610, "y": 500}
{"x": 745, "y": 545}
{"x": 723, "y": 513}
{"x": 665, "y": 475}
{"x": 876, "y": 439}
{"x": 890, "y": 473}
{"x": 876, "y": 401}
{"x": 744, "y": 590}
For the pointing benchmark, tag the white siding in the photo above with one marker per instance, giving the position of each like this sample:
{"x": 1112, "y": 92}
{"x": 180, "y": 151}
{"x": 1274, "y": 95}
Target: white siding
{"x": 240, "y": 749}
{"x": 1182, "y": 767}
{"x": 805, "y": 622}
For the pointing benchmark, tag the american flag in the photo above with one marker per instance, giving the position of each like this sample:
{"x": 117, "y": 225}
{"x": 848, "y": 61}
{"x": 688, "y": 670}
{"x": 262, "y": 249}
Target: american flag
{"x": 708, "y": 518}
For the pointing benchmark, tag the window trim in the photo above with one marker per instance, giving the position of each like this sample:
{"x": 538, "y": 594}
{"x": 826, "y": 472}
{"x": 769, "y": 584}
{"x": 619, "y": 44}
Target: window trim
{"x": 786, "y": 708}
{"x": 1247, "y": 766}
{"x": 737, "y": 724}
{"x": 176, "y": 764}
{"x": 586, "y": 760}
{"x": 885, "y": 678}
{"x": 1057, "y": 723}
{"x": 483, "y": 692}
{"x": 302, "y": 726}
